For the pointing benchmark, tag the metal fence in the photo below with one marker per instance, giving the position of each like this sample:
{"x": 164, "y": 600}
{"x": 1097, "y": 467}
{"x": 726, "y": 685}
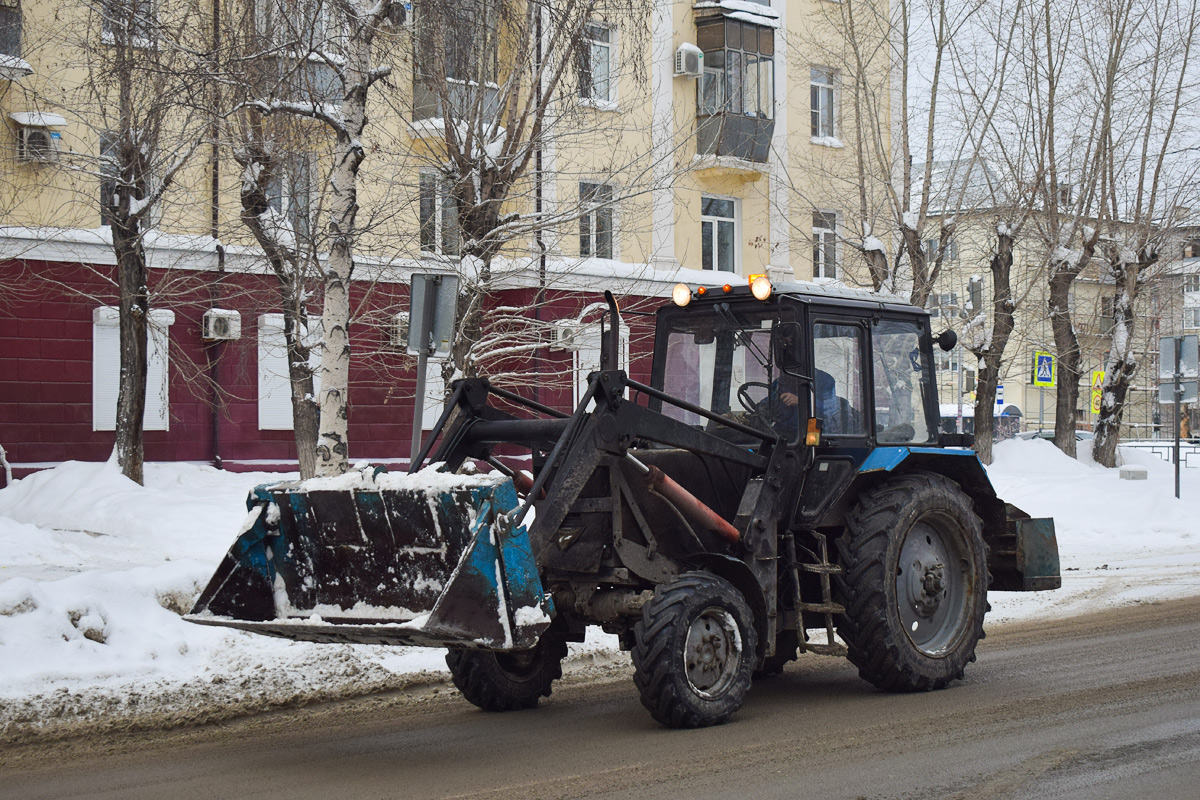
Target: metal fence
{"x": 1189, "y": 451}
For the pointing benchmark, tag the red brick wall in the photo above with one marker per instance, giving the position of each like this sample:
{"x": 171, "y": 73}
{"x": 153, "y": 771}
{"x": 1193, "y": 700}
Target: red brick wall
{"x": 46, "y": 368}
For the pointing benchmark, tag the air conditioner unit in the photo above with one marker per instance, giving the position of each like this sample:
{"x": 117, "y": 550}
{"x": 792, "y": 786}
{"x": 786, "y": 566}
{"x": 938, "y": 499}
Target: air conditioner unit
{"x": 689, "y": 61}
{"x": 398, "y": 336}
{"x": 37, "y": 144}
{"x": 566, "y": 337}
{"x": 221, "y": 324}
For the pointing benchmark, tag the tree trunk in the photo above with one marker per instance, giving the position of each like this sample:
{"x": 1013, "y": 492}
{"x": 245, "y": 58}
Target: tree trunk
{"x": 134, "y": 304}
{"x": 289, "y": 269}
{"x": 915, "y": 250}
{"x": 1121, "y": 365}
{"x": 991, "y": 358}
{"x": 333, "y": 440}
{"x": 306, "y": 414}
{"x": 1066, "y": 345}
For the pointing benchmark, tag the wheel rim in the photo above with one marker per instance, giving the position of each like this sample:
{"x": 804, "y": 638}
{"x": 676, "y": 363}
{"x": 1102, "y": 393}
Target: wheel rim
{"x": 932, "y": 587}
{"x": 712, "y": 652}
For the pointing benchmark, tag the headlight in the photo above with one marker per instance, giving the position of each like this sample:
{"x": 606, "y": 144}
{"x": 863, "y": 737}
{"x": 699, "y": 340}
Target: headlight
{"x": 681, "y": 294}
{"x": 761, "y": 287}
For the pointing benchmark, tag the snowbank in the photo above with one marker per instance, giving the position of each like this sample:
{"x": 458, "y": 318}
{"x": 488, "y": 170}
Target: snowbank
{"x": 95, "y": 572}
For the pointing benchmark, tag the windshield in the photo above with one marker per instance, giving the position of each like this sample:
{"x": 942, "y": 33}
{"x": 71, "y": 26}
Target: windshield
{"x": 723, "y": 363}
{"x": 902, "y": 383}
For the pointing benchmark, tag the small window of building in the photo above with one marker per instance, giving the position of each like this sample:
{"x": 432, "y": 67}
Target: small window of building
{"x": 596, "y": 220}
{"x": 439, "y": 230}
{"x": 289, "y": 194}
{"x": 823, "y": 91}
{"x": 274, "y": 379}
{"x": 718, "y": 229}
{"x": 825, "y": 262}
{"x": 1191, "y": 318}
{"x": 595, "y": 64}
{"x": 106, "y": 369}
{"x": 948, "y": 252}
{"x": 1191, "y": 284}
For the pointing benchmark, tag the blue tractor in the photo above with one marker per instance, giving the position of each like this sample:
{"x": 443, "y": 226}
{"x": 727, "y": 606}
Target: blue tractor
{"x": 780, "y": 487}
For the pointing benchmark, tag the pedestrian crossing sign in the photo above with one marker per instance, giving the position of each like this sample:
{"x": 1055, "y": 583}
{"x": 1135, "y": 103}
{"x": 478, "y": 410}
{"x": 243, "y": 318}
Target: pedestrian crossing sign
{"x": 1043, "y": 369}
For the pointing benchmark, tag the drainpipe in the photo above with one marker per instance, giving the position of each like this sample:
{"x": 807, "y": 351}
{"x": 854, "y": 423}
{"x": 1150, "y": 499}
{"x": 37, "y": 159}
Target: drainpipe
{"x": 216, "y": 349}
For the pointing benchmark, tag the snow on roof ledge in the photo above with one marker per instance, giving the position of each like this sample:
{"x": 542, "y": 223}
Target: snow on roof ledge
{"x": 13, "y": 68}
{"x": 758, "y": 13}
{"x": 38, "y": 119}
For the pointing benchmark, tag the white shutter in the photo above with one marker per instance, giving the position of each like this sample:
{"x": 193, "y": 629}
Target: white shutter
{"x": 587, "y": 357}
{"x": 435, "y": 394}
{"x": 106, "y": 369}
{"x": 274, "y": 385}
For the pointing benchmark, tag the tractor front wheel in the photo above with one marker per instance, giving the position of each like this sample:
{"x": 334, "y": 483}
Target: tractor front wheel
{"x": 914, "y": 583}
{"x": 507, "y": 681}
{"x": 695, "y": 650}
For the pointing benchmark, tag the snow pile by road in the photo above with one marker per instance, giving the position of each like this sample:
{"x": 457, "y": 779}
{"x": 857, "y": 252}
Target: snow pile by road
{"x": 96, "y": 571}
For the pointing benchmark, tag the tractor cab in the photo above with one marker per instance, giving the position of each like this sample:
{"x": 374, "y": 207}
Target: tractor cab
{"x": 812, "y": 365}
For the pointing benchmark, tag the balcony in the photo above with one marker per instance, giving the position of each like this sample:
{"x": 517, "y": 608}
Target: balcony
{"x": 735, "y": 136}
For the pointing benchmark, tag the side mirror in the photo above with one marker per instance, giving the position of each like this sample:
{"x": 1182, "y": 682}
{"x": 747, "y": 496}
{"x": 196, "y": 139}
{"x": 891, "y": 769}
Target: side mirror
{"x": 785, "y": 345}
{"x": 946, "y": 340}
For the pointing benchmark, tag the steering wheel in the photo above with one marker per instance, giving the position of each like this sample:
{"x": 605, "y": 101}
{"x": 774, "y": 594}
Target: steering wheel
{"x": 743, "y": 396}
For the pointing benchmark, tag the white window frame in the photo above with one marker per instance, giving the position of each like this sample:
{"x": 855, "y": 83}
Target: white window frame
{"x": 716, "y": 222}
{"x": 1191, "y": 284}
{"x": 1191, "y": 318}
{"x": 586, "y": 358}
{"x": 293, "y": 180}
{"x": 106, "y": 369}
{"x": 435, "y": 394}
{"x": 824, "y": 239}
{"x": 274, "y": 378}
{"x": 143, "y": 38}
{"x": 440, "y": 199}
{"x": 587, "y": 94}
{"x": 825, "y": 80}
{"x": 589, "y": 209}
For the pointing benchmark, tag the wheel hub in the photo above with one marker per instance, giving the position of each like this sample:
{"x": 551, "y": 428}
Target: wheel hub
{"x": 931, "y": 588}
{"x": 711, "y": 652}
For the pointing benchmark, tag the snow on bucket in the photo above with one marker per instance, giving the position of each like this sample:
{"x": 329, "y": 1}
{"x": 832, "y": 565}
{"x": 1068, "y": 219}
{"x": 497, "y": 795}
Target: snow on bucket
{"x": 372, "y": 557}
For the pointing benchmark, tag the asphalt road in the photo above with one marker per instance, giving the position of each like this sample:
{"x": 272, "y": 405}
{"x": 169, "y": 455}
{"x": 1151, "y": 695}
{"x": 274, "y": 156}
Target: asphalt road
{"x": 1103, "y": 706}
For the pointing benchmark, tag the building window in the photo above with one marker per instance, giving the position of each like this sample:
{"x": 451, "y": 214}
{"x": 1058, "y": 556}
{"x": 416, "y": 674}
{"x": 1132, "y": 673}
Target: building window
{"x": 739, "y": 68}
{"x": 1191, "y": 283}
{"x": 718, "y": 234}
{"x": 289, "y": 194}
{"x": 1191, "y": 249}
{"x": 586, "y": 357}
{"x": 109, "y": 172}
{"x": 825, "y": 244}
{"x": 1105, "y": 323}
{"x": 10, "y": 28}
{"x": 595, "y": 64}
{"x": 943, "y": 305}
{"x": 274, "y": 379}
{"x": 455, "y": 60}
{"x": 949, "y": 251}
{"x": 1191, "y": 318}
{"x": 127, "y": 21}
{"x": 596, "y": 220}
{"x": 106, "y": 369}
{"x": 438, "y": 217}
{"x": 823, "y": 88}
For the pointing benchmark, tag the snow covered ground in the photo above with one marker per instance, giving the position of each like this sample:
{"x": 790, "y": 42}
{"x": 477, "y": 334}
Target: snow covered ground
{"x": 95, "y": 572}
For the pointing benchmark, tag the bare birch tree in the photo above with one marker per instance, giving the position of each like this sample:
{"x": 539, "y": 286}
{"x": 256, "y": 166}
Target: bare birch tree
{"x": 1153, "y": 83}
{"x": 346, "y": 49}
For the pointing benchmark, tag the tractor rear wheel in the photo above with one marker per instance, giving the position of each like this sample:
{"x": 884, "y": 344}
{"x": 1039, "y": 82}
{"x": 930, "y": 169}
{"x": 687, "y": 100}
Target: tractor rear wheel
{"x": 914, "y": 583}
{"x": 695, "y": 650}
{"x": 507, "y": 681}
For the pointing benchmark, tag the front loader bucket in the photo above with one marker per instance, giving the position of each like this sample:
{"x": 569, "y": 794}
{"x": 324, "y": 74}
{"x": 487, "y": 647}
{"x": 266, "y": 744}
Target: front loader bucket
{"x": 371, "y": 557}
